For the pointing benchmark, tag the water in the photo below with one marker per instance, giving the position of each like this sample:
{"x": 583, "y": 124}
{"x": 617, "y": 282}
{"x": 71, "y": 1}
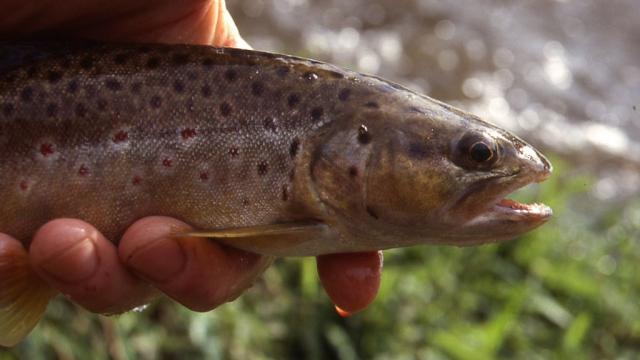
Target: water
{"x": 563, "y": 74}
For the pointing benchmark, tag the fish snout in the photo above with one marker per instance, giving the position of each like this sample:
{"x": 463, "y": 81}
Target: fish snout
{"x": 537, "y": 164}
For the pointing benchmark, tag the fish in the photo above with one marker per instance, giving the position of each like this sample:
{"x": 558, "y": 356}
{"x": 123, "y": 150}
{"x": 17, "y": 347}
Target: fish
{"x": 268, "y": 153}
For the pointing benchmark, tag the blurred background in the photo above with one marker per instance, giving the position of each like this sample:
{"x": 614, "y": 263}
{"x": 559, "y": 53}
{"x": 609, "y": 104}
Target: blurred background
{"x": 563, "y": 74}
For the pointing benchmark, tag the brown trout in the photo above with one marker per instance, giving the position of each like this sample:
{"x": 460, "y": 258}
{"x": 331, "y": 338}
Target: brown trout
{"x": 268, "y": 153}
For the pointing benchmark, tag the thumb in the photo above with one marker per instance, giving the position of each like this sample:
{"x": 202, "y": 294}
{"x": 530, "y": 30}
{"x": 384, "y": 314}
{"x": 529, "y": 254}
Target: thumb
{"x": 225, "y": 31}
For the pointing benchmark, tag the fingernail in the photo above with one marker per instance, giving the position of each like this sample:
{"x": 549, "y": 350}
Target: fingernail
{"x": 158, "y": 260}
{"x": 73, "y": 264}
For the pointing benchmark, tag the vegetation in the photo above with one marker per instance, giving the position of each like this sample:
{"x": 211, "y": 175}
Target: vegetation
{"x": 567, "y": 290}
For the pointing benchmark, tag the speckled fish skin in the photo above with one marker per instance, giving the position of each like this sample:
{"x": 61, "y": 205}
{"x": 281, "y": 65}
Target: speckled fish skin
{"x": 227, "y": 138}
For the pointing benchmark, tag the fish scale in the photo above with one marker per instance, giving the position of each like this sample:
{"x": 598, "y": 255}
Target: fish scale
{"x": 111, "y": 131}
{"x": 266, "y": 153}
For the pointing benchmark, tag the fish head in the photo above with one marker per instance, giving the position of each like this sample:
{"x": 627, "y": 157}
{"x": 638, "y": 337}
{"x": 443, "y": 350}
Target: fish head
{"x": 424, "y": 172}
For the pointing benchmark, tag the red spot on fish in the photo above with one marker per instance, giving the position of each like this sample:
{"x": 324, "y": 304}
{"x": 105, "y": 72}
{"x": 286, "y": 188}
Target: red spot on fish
{"x": 204, "y": 176}
{"x": 24, "y": 185}
{"x": 120, "y": 136}
{"x": 188, "y": 133}
{"x": 167, "y": 162}
{"x": 136, "y": 180}
{"x": 46, "y": 149}
{"x": 83, "y": 170}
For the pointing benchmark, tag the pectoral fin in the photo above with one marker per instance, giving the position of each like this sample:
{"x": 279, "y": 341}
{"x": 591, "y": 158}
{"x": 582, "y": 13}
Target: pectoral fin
{"x": 23, "y": 295}
{"x": 276, "y": 239}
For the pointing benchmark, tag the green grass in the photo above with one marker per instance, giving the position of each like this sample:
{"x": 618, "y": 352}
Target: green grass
{"x": 567, "y": 290}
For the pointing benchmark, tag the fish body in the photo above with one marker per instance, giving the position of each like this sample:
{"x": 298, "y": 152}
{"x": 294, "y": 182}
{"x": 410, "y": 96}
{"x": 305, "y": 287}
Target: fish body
{"x": 269, "y": 153}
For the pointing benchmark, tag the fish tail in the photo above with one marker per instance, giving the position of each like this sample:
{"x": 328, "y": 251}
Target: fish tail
{"x": 23, "y": 294}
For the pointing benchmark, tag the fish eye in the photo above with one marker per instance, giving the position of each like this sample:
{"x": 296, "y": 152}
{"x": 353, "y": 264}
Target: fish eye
{"x": 480, "y": 152}
{"x": 475, "y": 152}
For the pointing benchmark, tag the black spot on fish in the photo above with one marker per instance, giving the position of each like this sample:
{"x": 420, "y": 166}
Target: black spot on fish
{"x": 372, "y": 105}
{"x": 418, "y": 150}
{"x": 32, "y": 72}
{"x": 371, "y": 212}
{"x": 52, "y": 109}
{"x": 208, "y": 63}
{"x": 292, "y": 174}
{"x": 102, "y": 104}
{"x": 72, "y": 86}
{"x": 65, "y": 63}
{"x": 363, "y": 135}
{"x": 153, "y": 62}
{"x": 293, "y": 100}
{"x": 136, "y": 87}
{"x": 263, "y": 168}
{"x": 179, "y": 59}
{"x": 206, "y": 90}
{"x": 336, "y": 75}
{"x": 81, "y": 110}
{"x": 230, "y": 75}
{"x": 120, "y": 59}
{"x": 86, "y": 63}
{"x": 257, "y": 88}
{"x": 245, "y": 202}
{"x": 233, "y": 151}
{"x": 294, "y": 147}
{"x": 353, "y": 171}
{"x": 7, "y": 109}
{"x": 310, "y": 75}
{"x": 269, "y": 124}
{"x": 53, "y": 76}
{"x": 316, "y": 113}
{"x": 113, "y": 84}
{"x": 283, "y": 71}
{"x": 285, "y": 193}
{"x": 156, "y": 101}
{"x": 26, "y": 94}
{"x": 344, "y": 94}
{"x": 178, "y": 86}
{"x": 225, "y": 109}
{"x": 414, "y": 109}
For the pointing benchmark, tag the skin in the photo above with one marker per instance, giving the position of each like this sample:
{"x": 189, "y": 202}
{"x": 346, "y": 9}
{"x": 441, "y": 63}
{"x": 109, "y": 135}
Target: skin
{"x": 76, "y": 259}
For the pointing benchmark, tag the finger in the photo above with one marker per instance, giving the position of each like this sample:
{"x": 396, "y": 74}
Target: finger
{"x": 351, "y": 280}
{"x": 73, "y": 257}
{"x": 196, "y": 272}
{"x": 189, "y": 21}
{"x": 225, "y": 31}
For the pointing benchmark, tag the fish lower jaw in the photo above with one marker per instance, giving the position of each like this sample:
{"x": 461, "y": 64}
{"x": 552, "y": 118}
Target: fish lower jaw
{"x": 512, "y": 210}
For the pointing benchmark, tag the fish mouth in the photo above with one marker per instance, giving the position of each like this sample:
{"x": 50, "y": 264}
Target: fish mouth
{"x": 506, "y": 209}
{"x": 511, "y": 210}
{"x": 500, "y": 218}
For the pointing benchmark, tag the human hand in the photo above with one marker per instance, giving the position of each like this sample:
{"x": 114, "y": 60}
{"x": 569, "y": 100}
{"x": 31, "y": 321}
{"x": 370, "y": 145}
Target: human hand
{"x": 73, "y": 257}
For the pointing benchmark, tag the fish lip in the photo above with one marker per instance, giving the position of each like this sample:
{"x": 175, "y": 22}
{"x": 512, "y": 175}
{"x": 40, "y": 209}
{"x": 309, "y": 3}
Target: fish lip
{"x": 486, "y": 203}
{"x": 507, "y": 209}
{"x": 502, "y": 209}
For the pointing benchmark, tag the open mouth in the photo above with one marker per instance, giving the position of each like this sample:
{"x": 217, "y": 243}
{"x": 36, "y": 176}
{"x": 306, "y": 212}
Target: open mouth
{"x": 508, "y": 209}
{"x": 512, "y": 210}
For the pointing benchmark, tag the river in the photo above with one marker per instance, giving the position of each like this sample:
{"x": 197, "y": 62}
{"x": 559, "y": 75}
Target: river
{"x": 564, "y": 74}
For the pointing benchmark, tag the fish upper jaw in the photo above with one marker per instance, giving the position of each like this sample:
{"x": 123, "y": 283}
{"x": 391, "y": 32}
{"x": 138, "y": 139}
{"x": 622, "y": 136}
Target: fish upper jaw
{"x": 537, "y": 166}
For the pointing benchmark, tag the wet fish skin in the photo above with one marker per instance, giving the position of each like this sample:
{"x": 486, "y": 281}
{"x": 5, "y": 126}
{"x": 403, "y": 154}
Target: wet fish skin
{"x": 268, "y": 153}
{"x": 110, "y": 134}
{"x": 228, "y": 138}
